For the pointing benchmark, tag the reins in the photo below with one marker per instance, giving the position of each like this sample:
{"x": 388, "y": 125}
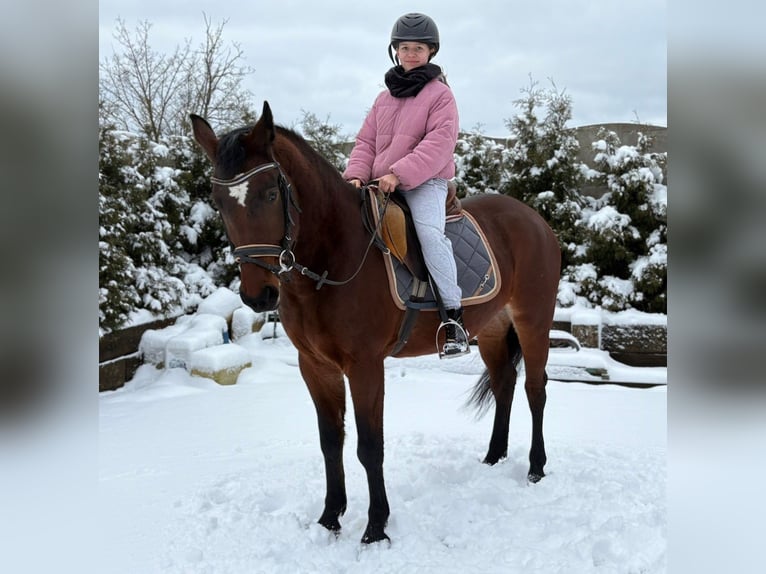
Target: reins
{"x": 322, "y": 279}
{"x": 252, "y": 253}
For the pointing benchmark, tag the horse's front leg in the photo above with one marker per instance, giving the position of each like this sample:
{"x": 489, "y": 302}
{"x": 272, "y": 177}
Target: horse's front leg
{"x": 366, "y": 381}
{"x": 328, "y": 391}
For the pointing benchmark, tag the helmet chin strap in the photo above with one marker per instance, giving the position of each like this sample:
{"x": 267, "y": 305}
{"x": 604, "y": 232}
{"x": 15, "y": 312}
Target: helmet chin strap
{"x": 392, "y": 54}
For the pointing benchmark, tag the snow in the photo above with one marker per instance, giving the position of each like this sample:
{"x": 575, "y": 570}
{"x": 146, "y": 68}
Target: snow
{"x": 219, "y": 357}
{"x": 180, "y": 349}
{"x": 154, "y": 341}
{"x": 222, "y": 302}
{"x": 196, "y": 477}
{"x": 608, "y": 218}
{"x": 581, "y": 315}
{"x": 173, "y": 346}
{"x": 633, "y": 317}
{"x": 243, "y": 320}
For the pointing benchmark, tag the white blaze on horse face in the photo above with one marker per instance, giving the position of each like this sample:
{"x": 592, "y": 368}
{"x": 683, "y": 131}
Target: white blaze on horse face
{"x": 239, "y": 192}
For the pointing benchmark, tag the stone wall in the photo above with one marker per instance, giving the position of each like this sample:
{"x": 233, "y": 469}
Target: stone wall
{"x": 118, "y": 356}
{"x": 634, "y": 345}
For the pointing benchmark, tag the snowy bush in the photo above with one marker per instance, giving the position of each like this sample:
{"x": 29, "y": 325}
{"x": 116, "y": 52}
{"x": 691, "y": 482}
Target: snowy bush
{"x": 479, "y": 164}
{"x": 542, "y": 169}
{"x": 161, "y": 246}
{"x": 649, "y": 274}
{"x": 626, "y": 229}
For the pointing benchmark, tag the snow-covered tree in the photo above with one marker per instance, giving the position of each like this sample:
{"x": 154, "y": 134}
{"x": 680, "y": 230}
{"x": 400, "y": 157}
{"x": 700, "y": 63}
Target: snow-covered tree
{"x": 542, "y": 169}
{"x": 117, "y": 297}
{"x": 202, "y": 238}
{"x": 159, "y": 250}
{"x": 325, "y": 138}
{"x": 479, "y": 162}
{"x": 626, "y": 229}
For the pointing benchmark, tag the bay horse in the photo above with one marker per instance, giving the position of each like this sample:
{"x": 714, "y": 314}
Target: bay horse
{"x": 290, "y": 216}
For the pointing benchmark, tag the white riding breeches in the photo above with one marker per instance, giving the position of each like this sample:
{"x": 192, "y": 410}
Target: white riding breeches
{"x": 427, "y": 205}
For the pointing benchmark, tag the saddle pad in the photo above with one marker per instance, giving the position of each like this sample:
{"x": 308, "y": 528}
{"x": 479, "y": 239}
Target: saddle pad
{"x": 476, "y": 266}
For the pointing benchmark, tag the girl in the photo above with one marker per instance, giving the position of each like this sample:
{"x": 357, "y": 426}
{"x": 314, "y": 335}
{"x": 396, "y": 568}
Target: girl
{"x": 407, "y": 143}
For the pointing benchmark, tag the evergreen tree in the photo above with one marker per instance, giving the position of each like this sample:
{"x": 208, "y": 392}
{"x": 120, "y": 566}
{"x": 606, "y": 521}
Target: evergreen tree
{"x": 542, "y": 169}
{"x": 152, "y": 245}
{"x": 117, "y": 297}
{"x": 325, "y": 138}
{"x": 159, "y": 249}
{"x": 202, "y": 236}
{"x": 479, "y": 164}
{"x": 626, "y": 238}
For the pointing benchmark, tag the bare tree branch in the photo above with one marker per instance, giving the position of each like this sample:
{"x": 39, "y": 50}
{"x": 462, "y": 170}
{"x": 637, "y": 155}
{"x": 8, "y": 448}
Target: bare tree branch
{"x": 153, "y": 93}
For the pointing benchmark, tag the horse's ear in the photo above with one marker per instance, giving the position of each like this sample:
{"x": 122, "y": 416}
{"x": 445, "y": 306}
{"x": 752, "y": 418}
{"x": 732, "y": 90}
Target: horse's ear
{"x": 263, "y": 132}
{"x": 204, "y": 136}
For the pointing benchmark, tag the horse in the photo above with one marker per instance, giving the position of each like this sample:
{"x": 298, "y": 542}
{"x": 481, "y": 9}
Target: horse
{"x": 295, "y": 227}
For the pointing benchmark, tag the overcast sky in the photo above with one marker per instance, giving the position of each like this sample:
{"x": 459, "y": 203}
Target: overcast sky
{"x": 328, "y": 57}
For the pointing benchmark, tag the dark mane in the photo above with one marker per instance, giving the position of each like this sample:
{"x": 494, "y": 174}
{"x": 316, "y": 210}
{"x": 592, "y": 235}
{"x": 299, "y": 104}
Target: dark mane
{"x": 231, "y": 154}
{"x": 318, "y": 162}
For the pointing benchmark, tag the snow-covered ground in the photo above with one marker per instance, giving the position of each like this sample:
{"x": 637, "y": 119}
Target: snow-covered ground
{"x": 195, "y": 477}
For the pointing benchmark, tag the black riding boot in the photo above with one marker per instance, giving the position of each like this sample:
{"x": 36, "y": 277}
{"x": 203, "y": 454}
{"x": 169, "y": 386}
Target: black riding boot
{"x": 456, "y": 341}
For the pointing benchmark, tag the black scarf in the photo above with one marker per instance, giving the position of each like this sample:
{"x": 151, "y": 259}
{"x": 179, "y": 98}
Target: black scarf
{"x": 403, "y": 84}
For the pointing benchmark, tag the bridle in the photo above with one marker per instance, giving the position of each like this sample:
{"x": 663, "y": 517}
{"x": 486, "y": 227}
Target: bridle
{"x": 252, "y": 253}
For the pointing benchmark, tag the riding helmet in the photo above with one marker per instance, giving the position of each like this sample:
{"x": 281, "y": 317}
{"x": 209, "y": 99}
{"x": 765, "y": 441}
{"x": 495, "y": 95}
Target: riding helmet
{"x": 414, "y": 27}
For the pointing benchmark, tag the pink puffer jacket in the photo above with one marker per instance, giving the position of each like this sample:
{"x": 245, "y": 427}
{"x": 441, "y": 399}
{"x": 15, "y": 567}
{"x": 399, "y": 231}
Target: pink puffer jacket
{"x": 413, "y": 138}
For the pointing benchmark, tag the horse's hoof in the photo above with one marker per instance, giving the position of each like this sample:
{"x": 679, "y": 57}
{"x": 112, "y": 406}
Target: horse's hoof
{"x": 494, "y": 459}
{"x": 534, "y": 478}
{"x": 331, "y": 524}
{"x": 373, "y": 535}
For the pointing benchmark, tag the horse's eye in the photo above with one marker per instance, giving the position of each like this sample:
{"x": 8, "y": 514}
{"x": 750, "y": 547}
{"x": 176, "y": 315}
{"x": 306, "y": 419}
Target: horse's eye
{"x": 271, "y": 195}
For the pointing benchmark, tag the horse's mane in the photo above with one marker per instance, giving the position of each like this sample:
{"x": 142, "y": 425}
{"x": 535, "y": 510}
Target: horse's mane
{"x": 319, "y": 164}
{"x": 231, "y": 154}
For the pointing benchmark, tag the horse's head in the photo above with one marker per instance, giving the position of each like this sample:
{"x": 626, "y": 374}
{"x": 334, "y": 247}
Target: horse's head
{"x": 252, "y": 195}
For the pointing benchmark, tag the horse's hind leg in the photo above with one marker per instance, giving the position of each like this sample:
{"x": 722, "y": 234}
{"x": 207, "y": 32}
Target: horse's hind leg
{"x": 328, "y": 391}
{"x": 500, "y": 351}
{"x": 535, "y": 342}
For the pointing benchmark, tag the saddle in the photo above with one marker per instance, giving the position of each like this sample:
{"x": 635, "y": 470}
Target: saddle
{"x": 387, "y": 217}
{"x": 397, "y": 229}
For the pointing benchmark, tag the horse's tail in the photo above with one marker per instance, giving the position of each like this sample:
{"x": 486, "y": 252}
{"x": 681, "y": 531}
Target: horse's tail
{"x": 479, "y": 398}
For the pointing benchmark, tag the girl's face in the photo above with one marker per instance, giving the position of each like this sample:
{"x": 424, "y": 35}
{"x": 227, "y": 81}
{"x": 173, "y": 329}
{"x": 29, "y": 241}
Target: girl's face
{"x": 413, "y": 54}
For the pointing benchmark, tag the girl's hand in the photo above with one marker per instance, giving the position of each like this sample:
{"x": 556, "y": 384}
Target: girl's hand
{"x": 388, "y": 183}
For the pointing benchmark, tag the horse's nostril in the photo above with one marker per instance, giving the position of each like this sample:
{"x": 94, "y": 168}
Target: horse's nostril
{"x": 266, "y": 300}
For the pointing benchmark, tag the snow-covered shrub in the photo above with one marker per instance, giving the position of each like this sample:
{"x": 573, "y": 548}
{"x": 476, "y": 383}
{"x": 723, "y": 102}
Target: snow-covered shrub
{"x": 161, "y": 247}
{"x": 626, "y": 229}
{"x": 479, "y": 163}
{"x": 117, "y": 297}
{"x": 542, "y": 169}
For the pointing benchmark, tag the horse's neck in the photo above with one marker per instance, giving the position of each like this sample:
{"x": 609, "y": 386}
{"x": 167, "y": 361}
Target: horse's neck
{"x": 329, "y": 210}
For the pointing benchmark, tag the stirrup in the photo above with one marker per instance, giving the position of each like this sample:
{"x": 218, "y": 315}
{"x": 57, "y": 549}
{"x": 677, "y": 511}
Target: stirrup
{"x": 454, "y": 348}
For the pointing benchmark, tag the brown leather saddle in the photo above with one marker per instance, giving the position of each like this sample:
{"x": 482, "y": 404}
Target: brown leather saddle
{"x": 398, "y": 231}
{"x": 388, "y": 218}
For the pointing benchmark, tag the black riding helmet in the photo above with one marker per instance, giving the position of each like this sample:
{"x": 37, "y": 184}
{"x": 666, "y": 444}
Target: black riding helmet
{"x": 413, "y": 27}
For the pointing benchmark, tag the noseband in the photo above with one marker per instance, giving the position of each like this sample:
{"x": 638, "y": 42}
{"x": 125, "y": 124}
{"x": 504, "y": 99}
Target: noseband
{"x": 253, "y": 252}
